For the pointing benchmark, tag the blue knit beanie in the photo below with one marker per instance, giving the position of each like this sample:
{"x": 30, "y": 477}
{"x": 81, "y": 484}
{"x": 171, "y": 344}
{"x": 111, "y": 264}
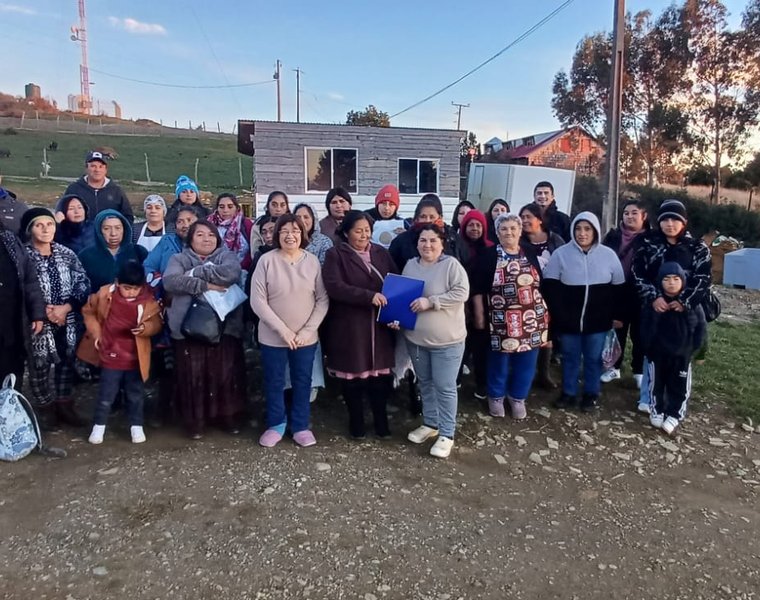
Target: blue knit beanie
{"x": 183, "y": 184}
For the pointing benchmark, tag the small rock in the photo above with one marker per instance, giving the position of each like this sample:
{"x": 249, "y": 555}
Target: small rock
{"x": 543, "y": 452}
{"x": 748, "y": 428}
{"x": 586, "y": 438}
{"x": 112, "y": 471}
{"x": 622, "y": 455}
{"x": 536, "y": 458}
{"x": 521, "y": 441}
{"x": 369, "y": 596}
{"x": 500, "y": 459}
{"x": 543, "y": 412}
{"x": 669, "y": 446}
{"x": 323, "y": 467}
{"x": 269, "y": 490}
{"x": 552, "y": 444}
{"x": 100, "y": 571}
{"x": 718, "y": 442}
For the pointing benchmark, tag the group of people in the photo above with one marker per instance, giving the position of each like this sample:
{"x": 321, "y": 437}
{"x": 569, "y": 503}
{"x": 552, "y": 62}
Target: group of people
{"x": 94, "y": 295}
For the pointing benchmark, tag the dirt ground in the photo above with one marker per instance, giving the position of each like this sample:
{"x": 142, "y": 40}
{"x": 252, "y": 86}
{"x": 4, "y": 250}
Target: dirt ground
{"x": 562, "y": 505}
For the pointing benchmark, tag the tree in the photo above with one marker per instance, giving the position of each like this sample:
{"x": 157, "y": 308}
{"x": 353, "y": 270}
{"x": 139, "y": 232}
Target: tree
{"x": 470, "y": 141}
{"x": 370, "y": 117}
{"x": 723, "y": 104}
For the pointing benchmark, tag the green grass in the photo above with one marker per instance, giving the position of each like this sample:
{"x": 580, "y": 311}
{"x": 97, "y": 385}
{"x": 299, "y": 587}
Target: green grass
{"x": 168, "y": 157}
{"x": 729, "y": 374}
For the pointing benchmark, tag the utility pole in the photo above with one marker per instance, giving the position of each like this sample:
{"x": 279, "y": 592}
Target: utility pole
{"x": 298, "y": 95}
{"x": 79, "y": 34}
{"x": 612, "y": 163}
{"x": 276, "y": 77}
{"x": 459, "y": 112}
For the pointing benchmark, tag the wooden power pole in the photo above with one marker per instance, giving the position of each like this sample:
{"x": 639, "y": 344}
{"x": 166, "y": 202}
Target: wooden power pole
{"x": 298, "y": 95}
{"x": 459, "y": 112}
{"x": 276, "y": 77}
{"x": 612, "y": 163}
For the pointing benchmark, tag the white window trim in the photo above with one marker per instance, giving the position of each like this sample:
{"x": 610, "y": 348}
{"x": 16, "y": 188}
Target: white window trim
{"x": 437, "y": 174}
{"x": 332, "y": 171}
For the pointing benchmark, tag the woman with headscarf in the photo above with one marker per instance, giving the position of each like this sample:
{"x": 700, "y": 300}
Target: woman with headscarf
{"x": 498, "y": 207}
{"x": 277, "y": 205}
{"x": 234, "y": 227}
{"x": 210, "y": 383}
{"x": 149, "y": 232}
{"x": 186, "y": 193}
{"x": 354, "y": 273}
{"x": 65, "y": 288}
{"x": 76, "y": 231}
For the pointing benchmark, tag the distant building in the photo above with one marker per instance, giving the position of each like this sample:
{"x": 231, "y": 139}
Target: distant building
{"x": 116, "y": 109}
{"x": 32, "y": 91}
{"x": 74, "y": 102}
{"x": 572, "y": 148}
{"x": 104, "y": 108}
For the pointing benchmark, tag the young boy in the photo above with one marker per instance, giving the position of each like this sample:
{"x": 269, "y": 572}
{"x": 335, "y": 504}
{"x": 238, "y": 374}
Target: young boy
{"x": 121, "y": 318}
{"x": 669, "y": 339}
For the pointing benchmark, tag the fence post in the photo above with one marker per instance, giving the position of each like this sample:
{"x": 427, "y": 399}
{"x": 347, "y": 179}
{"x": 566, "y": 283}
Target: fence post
{"x": 195, "y": 178}
{"x": 147, "y": 168}
{"x": 240, "y": 169}
{"x": 23, "y": 116}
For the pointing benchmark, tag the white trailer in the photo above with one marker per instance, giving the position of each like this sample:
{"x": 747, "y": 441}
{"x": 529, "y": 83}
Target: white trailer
{"x": 515, "y": 184}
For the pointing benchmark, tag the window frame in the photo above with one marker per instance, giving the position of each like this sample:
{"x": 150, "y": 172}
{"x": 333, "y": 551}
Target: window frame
{"x": 332, "y": 168}
{"x": 418, "y": 192}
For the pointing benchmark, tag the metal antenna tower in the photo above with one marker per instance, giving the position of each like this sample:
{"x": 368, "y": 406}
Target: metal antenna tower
{"x": 79, "y": 34}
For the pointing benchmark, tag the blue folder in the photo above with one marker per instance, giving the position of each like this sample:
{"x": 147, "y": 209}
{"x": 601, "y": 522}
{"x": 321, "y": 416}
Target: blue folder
{"x": 401, "y": 292}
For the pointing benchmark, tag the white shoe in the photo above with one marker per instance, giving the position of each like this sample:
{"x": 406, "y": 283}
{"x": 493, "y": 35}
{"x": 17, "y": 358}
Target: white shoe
{"x": 422, "y": 434}
{"x": 137, "y": 433}
{"x": 442, "y": 447}
{"x": 643, "y": 407}
{"x": 96, "y": 437}
{"x": 465, "y": 370}
{"x": 669, "y": 425}
{"x": 313, "y": 394}
{"x": 637, "y": 377}
{"x": 656, "y": 420}
{"x": 610, "y": 375}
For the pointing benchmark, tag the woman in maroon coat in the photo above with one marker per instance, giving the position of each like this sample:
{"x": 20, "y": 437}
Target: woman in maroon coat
{"x": 360, "y": 351}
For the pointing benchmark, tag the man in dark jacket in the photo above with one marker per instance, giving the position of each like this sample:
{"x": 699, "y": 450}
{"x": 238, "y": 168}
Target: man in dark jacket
{"x": 11, "y": 209}
{"x": 97, "y": 190}
{"x": 555, "y": 220}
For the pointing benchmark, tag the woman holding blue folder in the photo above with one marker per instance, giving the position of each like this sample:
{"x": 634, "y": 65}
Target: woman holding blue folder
{"x": 436, "y": 343}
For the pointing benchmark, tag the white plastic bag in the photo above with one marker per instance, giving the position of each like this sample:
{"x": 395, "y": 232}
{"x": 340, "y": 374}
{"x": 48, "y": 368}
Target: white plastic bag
{"x": 611, "y": 350}
{"x": 225, "y": 302}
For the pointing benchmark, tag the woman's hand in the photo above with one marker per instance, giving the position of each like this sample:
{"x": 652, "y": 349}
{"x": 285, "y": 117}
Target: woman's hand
{"x": 421, "y": 305}
{"x": 676, "y": 306}
{"x": 395, "y": 325}
{"x": 216, "y": 288}
{"x": 56, "y": 314}
{"x": 37, "y": 327}
{"x": 291, "y": 339}
{"x": 660, "y": 305}
{"x": 379, "y": 300}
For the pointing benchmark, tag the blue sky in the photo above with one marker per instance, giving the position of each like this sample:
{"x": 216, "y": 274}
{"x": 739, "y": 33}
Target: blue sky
{"x": 390, "y": 53}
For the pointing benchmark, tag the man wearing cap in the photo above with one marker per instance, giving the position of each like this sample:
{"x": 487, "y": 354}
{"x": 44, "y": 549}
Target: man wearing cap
{"x": 11, "y": 209}
{"x": 672, "y": 243}
{"x": 97, "y": 190}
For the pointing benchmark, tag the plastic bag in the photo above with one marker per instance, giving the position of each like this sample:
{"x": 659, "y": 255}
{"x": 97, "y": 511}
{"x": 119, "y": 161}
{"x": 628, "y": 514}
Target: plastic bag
{"x": 611, "y": 351}
{"x": 225, "y": 302}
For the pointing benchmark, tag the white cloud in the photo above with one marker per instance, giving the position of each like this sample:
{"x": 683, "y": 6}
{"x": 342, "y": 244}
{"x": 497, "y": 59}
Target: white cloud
{"x": 137, "y": 27}
{"x": 335, "y": 96}
{"x": 15, "y": 8}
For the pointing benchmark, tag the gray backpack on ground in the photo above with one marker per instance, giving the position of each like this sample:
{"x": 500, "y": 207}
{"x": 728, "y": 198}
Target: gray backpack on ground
{"x": 19, "y": 432}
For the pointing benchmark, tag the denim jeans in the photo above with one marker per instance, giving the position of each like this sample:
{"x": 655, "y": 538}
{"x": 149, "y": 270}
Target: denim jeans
{"x": 436, "y": 370}
{"x": 274, "y": 360}
{"x": 586, "y": 345}
{"x": 111, "y": 381}
{"x": 645, "y": 393}
{"x": 511, "y": 374}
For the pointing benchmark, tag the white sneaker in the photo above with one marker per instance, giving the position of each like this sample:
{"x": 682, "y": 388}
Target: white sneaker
{"x": 137, "y": 433}
{"x": 643, "y": 407}
{"x": 313, "y": 394}
{"x": 656, "y": 420}
{"x": 610, "y": 375}
{"x": 442, "y": 447}
{"x": 422, "y": 434}
{"x": 637, "y": 377}
{"x": 669, "y": 425}
{"x": 96, "y": 437}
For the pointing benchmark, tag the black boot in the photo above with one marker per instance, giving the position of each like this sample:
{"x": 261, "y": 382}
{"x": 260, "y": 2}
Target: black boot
{"x": 379, "y": 390}
{"x": 565, "y": 401}
{"x": 353, "y": 392}
{"x": 543, "y": 375}
{"x": 590, "y": 403}
{"x": 47, "y": 418}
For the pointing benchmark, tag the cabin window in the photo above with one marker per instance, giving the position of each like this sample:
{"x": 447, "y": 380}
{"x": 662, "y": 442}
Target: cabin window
{"x": 327, "y": 168}
{"x": 417, "y": 176}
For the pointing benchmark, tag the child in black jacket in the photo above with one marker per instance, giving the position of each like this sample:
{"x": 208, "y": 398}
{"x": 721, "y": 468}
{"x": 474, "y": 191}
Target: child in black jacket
{"x": 670, "y": 334}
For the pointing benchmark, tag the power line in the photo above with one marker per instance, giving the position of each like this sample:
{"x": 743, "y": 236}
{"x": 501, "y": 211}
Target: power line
{"x": 516, "y": 41}
{"x": 177, "y": 85}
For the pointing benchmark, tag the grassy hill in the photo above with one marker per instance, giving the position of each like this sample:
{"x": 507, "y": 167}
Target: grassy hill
{"x": 168, "y": 157}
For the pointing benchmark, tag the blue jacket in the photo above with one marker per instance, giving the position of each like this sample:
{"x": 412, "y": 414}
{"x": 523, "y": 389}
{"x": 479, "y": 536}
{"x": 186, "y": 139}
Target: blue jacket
{"x": 158, "y": 258}
{"x": 102, "y": 266}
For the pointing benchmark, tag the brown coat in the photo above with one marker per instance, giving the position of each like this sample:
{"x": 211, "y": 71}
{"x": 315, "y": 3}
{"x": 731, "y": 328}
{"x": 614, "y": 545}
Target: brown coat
{"x": 352, "y": 338}
{"x": 95, "y": 313}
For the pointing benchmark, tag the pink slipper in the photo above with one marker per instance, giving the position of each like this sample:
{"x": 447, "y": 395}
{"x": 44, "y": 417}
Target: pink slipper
{"x": 304, "y": 438}
{"x": 270, "y": 438}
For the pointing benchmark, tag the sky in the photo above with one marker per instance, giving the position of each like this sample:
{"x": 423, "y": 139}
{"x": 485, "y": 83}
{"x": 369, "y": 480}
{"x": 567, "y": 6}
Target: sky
{"x": 390, "y": 53}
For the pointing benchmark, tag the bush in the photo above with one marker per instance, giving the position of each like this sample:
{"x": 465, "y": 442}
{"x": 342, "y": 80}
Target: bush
{"x": 588, "y": 195}
{"x": 10, "y": 131}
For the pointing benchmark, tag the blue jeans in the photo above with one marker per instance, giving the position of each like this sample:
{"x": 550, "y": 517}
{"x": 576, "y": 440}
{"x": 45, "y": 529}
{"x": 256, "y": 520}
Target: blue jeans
{"x": 436, "y": 370}
{"x": 274, "y": 360}
{"x": 589, "y": 346}
{"x": 111, "y": 381}
{"x": 645, "y": 393}
{"x": 511, "y": 374}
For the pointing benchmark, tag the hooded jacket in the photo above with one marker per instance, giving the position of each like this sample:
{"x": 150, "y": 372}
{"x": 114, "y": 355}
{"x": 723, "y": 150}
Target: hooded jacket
{"x": 11, "y": 209}
{"x": 110, "y": 196}
{"x": 102, "y": 266}
{"x": 582, "y": 289}
{"x": 75, "y": 236}
{"x": 671, "y": 333}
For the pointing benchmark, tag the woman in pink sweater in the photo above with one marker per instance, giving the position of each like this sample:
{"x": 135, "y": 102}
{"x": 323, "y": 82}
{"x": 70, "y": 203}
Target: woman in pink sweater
{"x": 288, "y": 296}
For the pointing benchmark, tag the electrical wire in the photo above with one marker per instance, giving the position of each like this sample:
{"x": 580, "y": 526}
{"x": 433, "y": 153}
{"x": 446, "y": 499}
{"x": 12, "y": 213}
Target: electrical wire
{"x": 514, "y": 42}
{"x": 177, "y": 85}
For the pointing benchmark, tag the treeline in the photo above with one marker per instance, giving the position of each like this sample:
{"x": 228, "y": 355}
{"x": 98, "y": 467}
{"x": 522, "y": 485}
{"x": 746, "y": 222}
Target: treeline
{"x": 691, "y": 91}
